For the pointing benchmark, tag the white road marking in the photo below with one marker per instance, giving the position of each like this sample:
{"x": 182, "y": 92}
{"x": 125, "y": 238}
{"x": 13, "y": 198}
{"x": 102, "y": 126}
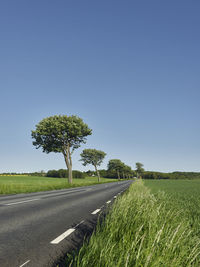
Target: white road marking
{"x": 96, "y": 211}
{"x": 15, "y": 203}
{"x": 115, "y": 196}
{"x": 61, "y": 237}
{"x": 79, "y": 224}
{"x": 24, "y": 263}
{"x": 108, "y": 201}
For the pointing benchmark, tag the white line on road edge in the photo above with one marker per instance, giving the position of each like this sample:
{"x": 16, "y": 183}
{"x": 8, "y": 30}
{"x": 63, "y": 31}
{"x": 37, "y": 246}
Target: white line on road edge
{"x": 108, "y": 201}
{"x": 115, "y": 196}
{"x": 96, "y": 211}
{"x": 15, "y": 203}
{"x": 24, "y": 263}
{"x": 61, "y": 237}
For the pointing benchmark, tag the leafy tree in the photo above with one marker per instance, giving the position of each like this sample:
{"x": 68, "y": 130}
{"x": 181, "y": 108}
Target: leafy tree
{"x": 61, "y": 134}
{"x": 139, "y": 169}
{"x": 94, "y": 157}
{"x": 127, "y": 171}
{"x": 103, "y": 173}
{"x": 116, "y": 165}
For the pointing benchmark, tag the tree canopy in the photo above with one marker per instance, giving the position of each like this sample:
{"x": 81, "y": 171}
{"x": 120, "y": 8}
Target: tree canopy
{"x": 127, "y": 171}
{"x": 93, "y": 157}
{"x": 116, "y": 165}
{"x": 61, "y": 134}
{"x": 139, "y": 169}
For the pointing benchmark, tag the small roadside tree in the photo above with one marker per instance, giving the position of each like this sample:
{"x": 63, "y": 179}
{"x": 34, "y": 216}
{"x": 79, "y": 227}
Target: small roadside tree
{"x": 61, "y": 134}
{"x": 116, "y": 165}
{"x": 93, "y": 157}
{"x": 139, "y": 169}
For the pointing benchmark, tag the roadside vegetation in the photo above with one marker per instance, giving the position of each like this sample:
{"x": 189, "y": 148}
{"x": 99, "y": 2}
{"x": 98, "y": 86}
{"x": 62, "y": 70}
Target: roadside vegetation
{"x": 150, "y": 225}
{"x": 15, "y": 184}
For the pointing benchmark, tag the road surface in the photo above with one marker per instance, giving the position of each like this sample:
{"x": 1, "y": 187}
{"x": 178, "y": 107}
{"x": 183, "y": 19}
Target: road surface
{"x": 35, "y": 228}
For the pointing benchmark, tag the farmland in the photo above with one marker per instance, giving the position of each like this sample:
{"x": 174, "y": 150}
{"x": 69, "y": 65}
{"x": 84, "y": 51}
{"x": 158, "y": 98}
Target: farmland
{"x": 25, "y": 184}
{"x": 155, "y": 223}
{"x": 182, "y": 195}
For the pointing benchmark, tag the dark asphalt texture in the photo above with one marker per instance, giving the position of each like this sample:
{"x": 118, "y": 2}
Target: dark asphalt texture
{"x": 29, "y": 222}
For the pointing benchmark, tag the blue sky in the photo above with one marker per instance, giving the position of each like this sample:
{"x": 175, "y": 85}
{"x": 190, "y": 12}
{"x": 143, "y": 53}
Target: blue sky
{"x": 130, "y": 69}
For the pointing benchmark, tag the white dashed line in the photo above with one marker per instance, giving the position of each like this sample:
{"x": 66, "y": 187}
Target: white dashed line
{"x": 108, "y": 201}
{"x": 61, "y": 237}
{"x": 79, "y": 223}
{"x": 24, "y": 263}
{"x": 15, "y": 203}
{"x": 96, "y": 211}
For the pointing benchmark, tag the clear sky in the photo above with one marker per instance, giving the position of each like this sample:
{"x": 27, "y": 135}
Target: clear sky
{"x": 130, "y": 69}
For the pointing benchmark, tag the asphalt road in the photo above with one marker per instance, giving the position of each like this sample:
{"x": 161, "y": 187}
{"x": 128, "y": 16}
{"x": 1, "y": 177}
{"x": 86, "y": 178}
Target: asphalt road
{"x": 35, "y": 228}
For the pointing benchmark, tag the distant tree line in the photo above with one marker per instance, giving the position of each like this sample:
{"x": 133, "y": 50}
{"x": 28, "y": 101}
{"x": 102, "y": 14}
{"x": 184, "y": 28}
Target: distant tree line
{"x": 113, "y": 173}
{"x": 172, "y": 175}
{"x": 62, "y": 173}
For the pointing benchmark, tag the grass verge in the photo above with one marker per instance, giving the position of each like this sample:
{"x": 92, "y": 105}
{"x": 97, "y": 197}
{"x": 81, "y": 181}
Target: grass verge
{"x": 142, "y": 229}
{"x": 27, "y": 184}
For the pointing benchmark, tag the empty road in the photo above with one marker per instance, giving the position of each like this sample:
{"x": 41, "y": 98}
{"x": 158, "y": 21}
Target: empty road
{"x": 35, "y": 228}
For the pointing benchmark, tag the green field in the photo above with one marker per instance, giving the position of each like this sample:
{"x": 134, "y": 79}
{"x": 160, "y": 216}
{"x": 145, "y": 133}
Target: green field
{"x": 155, "y": 223}
{"x": 25, "y": 184}
{"x": 183, "y": 195}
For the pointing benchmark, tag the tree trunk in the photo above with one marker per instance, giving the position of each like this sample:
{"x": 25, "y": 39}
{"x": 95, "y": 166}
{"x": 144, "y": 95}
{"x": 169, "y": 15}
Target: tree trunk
{"x": 97, "y": 173}
{"x": 68, "y": 162}
{"x": 118, "y": 175}
{"x": 70, "y": 167}
{"x": 70, "y": 174}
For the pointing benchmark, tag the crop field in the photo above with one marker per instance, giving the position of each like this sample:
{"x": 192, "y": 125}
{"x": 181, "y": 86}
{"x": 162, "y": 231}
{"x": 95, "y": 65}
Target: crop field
{"x": 155, "y": 223}
{"x": 183, "y": 195}
{"x": 24, "y": 184}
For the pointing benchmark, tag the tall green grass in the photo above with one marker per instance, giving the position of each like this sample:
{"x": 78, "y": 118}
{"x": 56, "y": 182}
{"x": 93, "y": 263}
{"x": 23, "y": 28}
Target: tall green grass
{"x": 27, "y": 184}
{"x": 142, "y": 229}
